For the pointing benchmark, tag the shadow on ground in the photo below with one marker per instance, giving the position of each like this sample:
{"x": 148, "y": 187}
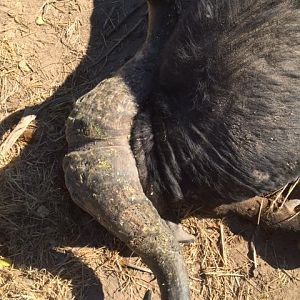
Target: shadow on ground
{"x": 35, "y": 225}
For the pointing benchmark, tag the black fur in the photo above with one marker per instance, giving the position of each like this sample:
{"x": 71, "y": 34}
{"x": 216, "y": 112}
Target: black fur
{"x": 223, "y": 122}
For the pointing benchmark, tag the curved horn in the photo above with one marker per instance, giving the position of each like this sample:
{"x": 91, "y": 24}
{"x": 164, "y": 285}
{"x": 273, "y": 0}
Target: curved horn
{"x": 100, "y": 170}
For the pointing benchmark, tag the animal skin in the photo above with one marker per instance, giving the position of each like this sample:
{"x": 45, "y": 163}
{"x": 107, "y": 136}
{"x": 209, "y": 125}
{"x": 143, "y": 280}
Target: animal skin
{"x": 207, "y": 111}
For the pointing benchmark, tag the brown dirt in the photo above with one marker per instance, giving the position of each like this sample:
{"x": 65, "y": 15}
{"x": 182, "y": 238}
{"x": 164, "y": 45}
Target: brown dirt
{"x": 56, "y": 250}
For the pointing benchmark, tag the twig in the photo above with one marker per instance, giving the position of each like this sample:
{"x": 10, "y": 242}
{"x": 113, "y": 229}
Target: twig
{"x": 259, "y": 213}
{"x": 219, "y": 274}
{"x": 223, "y": 250}
{"x": 289, "y": 192}
{"x": 132, "y": 266}
{"x": 28, "y": 116}
{"x": 292, "y": 217}
{"x": 254, "y": 256}
{"x": 135, "y": 267}
{"x": 253, "y": 253}
{"x": 289, "y": 275}
{"x": 252, "y": 245}
{"x": 278, "y": 196}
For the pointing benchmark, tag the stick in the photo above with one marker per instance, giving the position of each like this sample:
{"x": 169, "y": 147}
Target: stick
{"x": 253, "y": 270}
{"x": 289, "y": 192}
{"x": 132, "y": 266}
{"x": 278, "y": 197}
{"x": 28, "y": 116}
{"x": 260, "y": 210}
{"x": 135, "y": 267}
{"x": 224, "y": 256}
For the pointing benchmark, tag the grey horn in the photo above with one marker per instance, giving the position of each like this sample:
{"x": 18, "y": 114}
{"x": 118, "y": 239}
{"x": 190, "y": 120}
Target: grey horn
{"x": 100, "y": 170}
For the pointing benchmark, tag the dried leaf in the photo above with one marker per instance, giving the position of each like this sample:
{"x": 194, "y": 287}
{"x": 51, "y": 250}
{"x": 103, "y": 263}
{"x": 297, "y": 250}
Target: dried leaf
{"x": 4, "y": 262}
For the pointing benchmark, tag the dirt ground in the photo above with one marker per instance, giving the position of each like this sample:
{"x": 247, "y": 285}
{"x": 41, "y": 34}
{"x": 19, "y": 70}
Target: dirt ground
{"x": 52, "y": 52}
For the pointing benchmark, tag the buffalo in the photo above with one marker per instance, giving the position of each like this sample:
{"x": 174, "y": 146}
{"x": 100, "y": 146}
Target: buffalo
{"x": 207, "y": 111}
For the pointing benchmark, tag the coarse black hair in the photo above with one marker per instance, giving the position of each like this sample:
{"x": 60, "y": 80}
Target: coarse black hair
{"x": 222, "y": 122}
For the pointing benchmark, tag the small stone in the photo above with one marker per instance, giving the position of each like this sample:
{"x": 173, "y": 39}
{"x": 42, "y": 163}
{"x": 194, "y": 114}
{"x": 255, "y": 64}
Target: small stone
{"x": 42, "y": 212}
{"x": 23, "y": 65}
{"x": 39, "y": 20}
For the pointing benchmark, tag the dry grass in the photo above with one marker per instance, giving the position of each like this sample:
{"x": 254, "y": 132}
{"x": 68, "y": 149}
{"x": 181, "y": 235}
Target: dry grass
{"x": 57, "y": 251}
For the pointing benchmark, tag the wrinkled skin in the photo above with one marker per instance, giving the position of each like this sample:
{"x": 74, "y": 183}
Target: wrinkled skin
{"x": 208, "y": 110}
